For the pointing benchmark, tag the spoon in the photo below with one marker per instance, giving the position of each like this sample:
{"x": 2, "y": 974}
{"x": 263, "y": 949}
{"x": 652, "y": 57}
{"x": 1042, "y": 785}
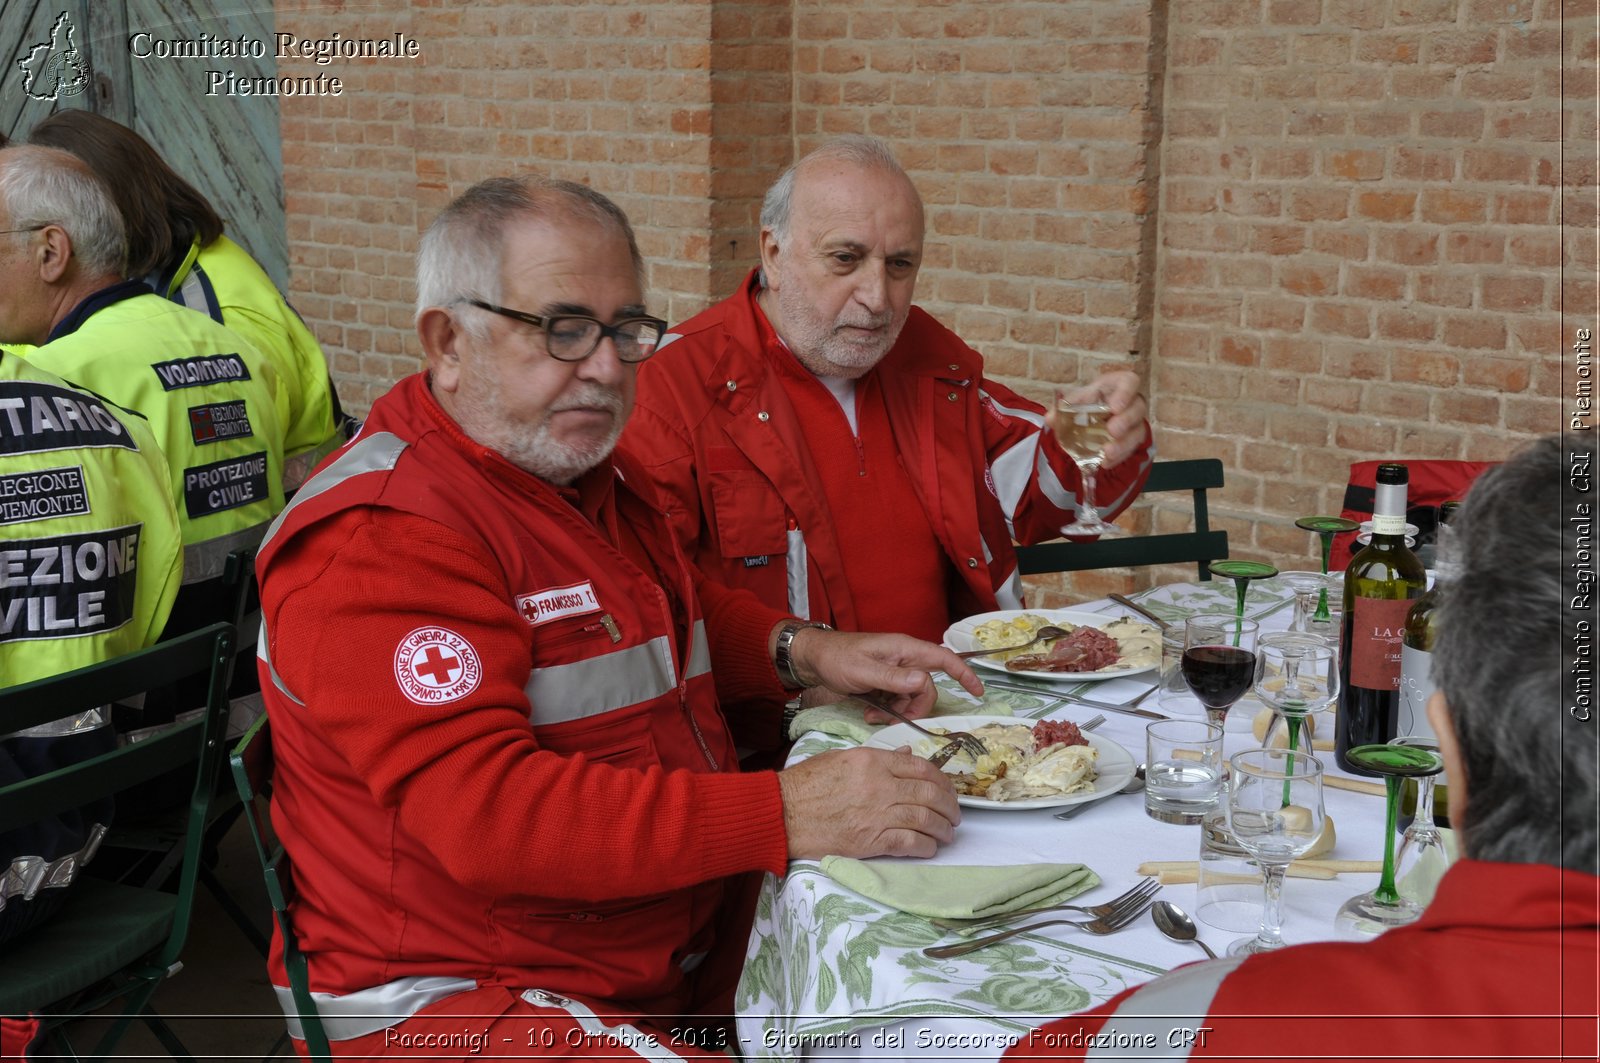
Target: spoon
{"x": 1132, "y": 786}
{"x": 1049, "y": 631}
{"x": 1176, "y": 924}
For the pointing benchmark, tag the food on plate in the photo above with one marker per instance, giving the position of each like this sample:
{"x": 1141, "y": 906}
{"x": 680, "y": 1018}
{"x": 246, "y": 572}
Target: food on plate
{"x": 1009, "y": 631}
{"x": 1048, "y": 759}
{"x": 1121, "y": 643}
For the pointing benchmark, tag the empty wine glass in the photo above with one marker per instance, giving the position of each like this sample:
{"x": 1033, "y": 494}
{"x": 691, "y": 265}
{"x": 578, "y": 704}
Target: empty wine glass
{"x": 1375, "y": 911}
{"x": 1296, "y": 677}
{"x": 1275, "y": 813}
{"x": 1422, "y": 858}
{"x": 1326, "y": 528}
{"x": 1080, "y": 425}
{"x": 1241, "y": 572}
{"x": 1306, "y": 587}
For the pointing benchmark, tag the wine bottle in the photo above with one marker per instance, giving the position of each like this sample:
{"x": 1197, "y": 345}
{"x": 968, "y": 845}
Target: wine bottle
{"x": 1379, "y": 585}
{"x": 1416, "y": 661}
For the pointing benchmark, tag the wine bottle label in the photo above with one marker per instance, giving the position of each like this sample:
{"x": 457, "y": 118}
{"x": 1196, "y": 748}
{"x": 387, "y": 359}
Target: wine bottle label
{"x": 1376, "y": 627}
{"x": 1387, "y": 525}
{"x": 1416, "y": 685}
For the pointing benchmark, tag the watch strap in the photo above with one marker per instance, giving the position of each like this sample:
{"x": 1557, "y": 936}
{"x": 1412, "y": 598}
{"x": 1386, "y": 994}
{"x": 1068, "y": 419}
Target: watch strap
{"x": 783, "y": 655}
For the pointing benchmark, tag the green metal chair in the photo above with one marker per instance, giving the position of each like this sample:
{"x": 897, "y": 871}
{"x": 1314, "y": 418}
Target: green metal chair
{"x": 1202, "y": 546}
{"x": 251, "y": 763}
{"x": 109, "y": 940}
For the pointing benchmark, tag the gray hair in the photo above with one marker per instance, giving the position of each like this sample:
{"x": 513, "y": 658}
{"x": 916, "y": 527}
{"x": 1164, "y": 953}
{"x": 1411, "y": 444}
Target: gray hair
{"x": 47, "y": 186}
{"x": 1531, "y": 786}
{"x": 869, "y": 153}
{"x": 460, "y": 253}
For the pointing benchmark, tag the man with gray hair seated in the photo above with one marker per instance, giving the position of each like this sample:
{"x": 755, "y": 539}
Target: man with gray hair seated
{"x": 210, "y": 398}
{"x": 1503, "y": 963}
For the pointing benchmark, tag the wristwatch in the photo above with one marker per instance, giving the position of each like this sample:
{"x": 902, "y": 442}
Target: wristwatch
{"x": 783, "y": 656}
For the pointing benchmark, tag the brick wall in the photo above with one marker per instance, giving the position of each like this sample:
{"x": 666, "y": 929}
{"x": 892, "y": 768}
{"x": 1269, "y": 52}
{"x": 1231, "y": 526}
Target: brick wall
{"x": 1333, "y": 228}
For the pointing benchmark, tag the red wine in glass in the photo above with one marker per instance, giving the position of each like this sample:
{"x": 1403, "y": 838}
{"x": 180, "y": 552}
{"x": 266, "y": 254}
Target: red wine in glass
{"x": 1218, "y": 675}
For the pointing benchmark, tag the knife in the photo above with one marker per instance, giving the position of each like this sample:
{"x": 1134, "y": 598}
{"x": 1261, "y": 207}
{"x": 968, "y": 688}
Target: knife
{"x": 1061, "y": 695}
{"x": 1129, "y": 603}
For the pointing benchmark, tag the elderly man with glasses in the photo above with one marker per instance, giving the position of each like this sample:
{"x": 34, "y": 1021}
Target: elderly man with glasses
{"x": 514, "y": 811}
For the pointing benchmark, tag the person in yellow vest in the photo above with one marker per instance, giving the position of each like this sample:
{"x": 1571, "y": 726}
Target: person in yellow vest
{"x": 176, "y": 244}
{"x": 210, "y": 396}
{"x": 90, "y": 562}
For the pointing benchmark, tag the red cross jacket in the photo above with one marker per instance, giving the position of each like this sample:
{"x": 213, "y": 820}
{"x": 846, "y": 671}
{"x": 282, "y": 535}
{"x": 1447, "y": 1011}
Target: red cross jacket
{"x": 716, "y": 431}
{"x": 1502, "y": 965}
{"x": 499, "y": 754}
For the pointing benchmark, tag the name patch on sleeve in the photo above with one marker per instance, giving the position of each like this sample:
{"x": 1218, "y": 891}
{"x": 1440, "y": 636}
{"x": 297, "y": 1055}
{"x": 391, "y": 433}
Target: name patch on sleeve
{"x": 36, "y": 417}
{"x": 219, "y": 421}
{"x": 200, "y": 371}
{"x": 66, "y": 586}
{"x": 209, "y": 489}
{"x": 42, "y": 494}
{"x": 541, "y": 607}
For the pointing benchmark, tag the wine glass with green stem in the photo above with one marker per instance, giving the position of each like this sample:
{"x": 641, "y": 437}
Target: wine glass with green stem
{"x": 1297, "y": 676}
{"x": 1371, "y": 913}
{"x": 1423, "y": 857}
{"x": 1241, "y": 572}
{"x": 1326, "y": 528}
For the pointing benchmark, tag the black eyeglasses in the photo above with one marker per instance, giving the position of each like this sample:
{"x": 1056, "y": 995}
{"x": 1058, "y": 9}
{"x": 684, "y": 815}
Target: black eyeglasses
{"x": 574, "y": 337}
{"x": 29, "y": 229}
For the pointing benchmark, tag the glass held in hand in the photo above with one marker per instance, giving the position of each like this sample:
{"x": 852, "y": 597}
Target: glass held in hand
{"x": 1219, "y": 660}
{"x": 1275, "y": 812}
{"x": 1080, "y": 425}
{"x": 1369, "y": 914}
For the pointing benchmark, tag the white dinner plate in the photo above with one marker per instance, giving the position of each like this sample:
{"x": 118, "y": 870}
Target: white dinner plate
{"x": 1113, "y": 764}
{"x": 958, "y": 637}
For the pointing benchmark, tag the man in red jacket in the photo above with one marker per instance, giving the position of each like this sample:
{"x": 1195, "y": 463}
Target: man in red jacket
{"x": 834, "y": 449}
{"x": 503, "y": 778}
{"x": 1503, "y": 964}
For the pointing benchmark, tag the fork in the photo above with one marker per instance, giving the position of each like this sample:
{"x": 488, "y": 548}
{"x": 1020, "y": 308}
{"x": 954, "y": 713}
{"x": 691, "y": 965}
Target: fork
{"x": 971, "y": 743}
{"x": 1145, "y": 890}
{"x": 1103, "y": 925}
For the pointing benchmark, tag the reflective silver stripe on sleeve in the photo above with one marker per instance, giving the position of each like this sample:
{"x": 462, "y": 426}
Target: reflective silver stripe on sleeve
{"x": 346, "y": 1016}
{"x": 1111, "y": 504}
{"x": 1009, "y": 594}
{"x": 204, "y": 561}
{"x": 699, "y": 662}
{"x": 633, "y": 1040}
{"x": 600, "y": 684}
{"x": 277, "y": 680}
{"x": 373, "y": 453}
{"x": 297, "y": 467}
{"x": 1148, "y": 1017}
{"x": 795, "y": 561}
{"x": 1019, "y": 460}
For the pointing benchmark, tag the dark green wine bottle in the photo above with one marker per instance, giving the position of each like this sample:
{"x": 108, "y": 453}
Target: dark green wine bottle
{"x": 1379, "y": 585}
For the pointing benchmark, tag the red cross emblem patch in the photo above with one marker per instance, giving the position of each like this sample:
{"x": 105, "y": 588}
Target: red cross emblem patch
{"x": 434, "y": 665}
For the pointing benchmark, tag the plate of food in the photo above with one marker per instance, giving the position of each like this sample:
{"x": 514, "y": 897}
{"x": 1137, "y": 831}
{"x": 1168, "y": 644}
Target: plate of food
{"x": 1043, "y": 764}
{"x": 1097, "y": 647}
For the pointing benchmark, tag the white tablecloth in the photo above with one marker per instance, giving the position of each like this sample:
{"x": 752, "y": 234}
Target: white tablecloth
{"x": 830, "y": 973}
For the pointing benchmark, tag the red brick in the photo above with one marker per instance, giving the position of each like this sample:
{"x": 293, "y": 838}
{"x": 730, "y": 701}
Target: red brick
{"x": 1523, "y": 208}
{"x": 1305, "y": 279}
{"x": 1386, "y": 206}
{"x": 1420, "y": 164}
{"x": 1465, "y": 408}
{"x": 1496, "y": 85}
{"x": 1447, "y": 207}
{"x": 1408, "y": 248}
{"x": 1272, "y": 312}
{"x": 1475, "y": 332}
{"x": 1341, "y": 319}
{"x": 1444, "y": 289}
{"x": 1543, "y": 249}
{"x": 1413, "y": 365}
{"x": 1325, "y": 48}
{"x": 1375, "y": 282}
{"x": 1239, "y": 350}
{"x": 1277, "y": 239}
{"x": 1319, "y": 204}
{"x": 1364, "y": 437}
{"x": 1377, "y": 122}
{"x": 1485, "y": 164}
{"x": 1353, "y": 165}
{"x": 1474, "y": 246}
{"x": 1294, "y": 12}
{"x": 1461, "y": 48}
{"x": 1457, "y": 123}
{"x": 1347, "y": 362}
{"x": 1407, "y": 325}
{"x": 1387, "y": 48}
{"x": 1513, "y": 293}
{"x": 1505, "y": 375}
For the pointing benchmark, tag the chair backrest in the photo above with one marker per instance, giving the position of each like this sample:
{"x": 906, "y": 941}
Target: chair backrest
{"x": 206, "y": 651}
{"x": 1434, "y": 481}
{"x": 251, "y": 764}
{"x": 1202, "y": 546}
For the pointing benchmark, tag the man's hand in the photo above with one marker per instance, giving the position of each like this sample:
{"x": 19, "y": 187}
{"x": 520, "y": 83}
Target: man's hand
{"x": 895, "y": 667}
{"x": 867, "y": 802}
{"x": 1118, "y": 389}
